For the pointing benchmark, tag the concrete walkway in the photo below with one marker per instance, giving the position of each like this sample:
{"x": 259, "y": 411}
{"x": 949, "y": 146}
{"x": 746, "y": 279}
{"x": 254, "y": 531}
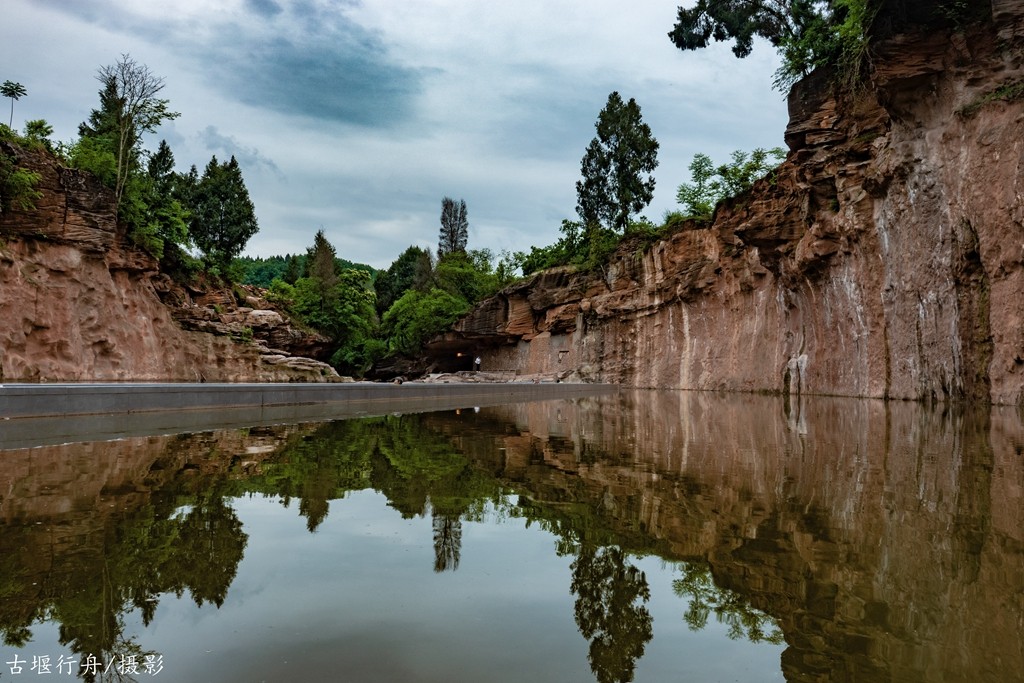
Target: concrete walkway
{"x": 38, "y": 414}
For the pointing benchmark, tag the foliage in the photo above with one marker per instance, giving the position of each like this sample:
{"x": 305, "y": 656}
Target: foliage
{"x": 159, "y": 222}
{"x": 587, "y": 247}
{"x": 711, "y": 184}
{"x": 15, "y": 91}
{"x": 454, "y": 227}
{"x": 466, "y": 275}
{"x": 614, "y": 184}
{"x": 1008, "y": 92}
{"x": 417, "y": 316}
{"x": 37, "y": 134}
{"x": 509, "y": 264}
{"x": 92, "y": 154}
{"x": 323, "y": 271}
{"x": 129, "y": 107}
{"x": 337, "y": 303}
{"x": 223, "y": 217}
{"x": 807, "y": 33}
{"x": 412, "y": 269}
{"x": 261, "y": 271}
{"x": 17, "y": 186}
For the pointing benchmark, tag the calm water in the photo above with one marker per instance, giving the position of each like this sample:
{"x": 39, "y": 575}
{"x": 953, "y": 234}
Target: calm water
{"x": 647, "y": 536}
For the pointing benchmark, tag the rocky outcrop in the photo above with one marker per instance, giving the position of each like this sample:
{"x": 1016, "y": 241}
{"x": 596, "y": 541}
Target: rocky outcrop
{"x": 79, "y": 303}
{"x": 884, "y": 258}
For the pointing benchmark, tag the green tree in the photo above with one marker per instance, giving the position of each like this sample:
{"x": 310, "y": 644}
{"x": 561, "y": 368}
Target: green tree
{"x": 454, "y": 227}
{"x": 129, "y": 108}
{"x": 151, "y": 206}
{"x": 412, "y": 269}
{"x": 223, "y": 216}
{"x": 711, "y": 184}
{"x": 699, "y": 197}
{"x": 806, "y": 33}
{"x": 617, "y": 166}
{"x": 15, "y": 91}
{"x": 323, "y": 271}
{"x": 293, "y": 269}
{"x": 38, "y": 132}
{"x": 418, "y": 316}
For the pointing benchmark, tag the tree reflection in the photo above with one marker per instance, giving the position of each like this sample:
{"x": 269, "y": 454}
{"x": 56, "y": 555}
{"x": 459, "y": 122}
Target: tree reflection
{"x": 447, "y": 541}
{"x": 159, "y": 548}
{"x": 729, "y": 607}
{"x": 610, "y": 611}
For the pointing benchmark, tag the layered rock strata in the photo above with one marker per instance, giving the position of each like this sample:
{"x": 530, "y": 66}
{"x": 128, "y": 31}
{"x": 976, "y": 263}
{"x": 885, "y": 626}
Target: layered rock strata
{"x": 79, "y": 303}
{"x": 884, "y": 258}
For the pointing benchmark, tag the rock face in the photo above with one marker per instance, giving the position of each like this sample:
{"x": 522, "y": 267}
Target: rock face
{"x": 79, "y": 303}
{"x": 885, "y": 258}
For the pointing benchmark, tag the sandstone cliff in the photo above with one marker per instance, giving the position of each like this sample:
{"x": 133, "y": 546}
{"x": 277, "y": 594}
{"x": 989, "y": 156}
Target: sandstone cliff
{"x": 79, "y": 303}
{"x": 885, "y": 258}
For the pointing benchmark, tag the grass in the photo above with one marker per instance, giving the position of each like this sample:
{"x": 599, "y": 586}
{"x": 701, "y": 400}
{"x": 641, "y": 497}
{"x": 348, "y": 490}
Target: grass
{"x": 1008, "y": 92}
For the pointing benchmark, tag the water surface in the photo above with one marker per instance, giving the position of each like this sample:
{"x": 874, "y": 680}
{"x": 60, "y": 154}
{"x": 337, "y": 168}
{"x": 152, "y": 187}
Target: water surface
{"x": 644, "y": 536}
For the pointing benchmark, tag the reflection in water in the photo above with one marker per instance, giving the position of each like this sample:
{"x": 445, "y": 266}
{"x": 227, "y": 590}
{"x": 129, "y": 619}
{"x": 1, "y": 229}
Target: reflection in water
{"x": 447, "y": 541}
{"x": 610, "y": 611}
{"x": 879, "y": 542}
{"x": 730, "y": 608}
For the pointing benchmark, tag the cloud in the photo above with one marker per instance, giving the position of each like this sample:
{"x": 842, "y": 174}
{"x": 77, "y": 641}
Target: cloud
{"x": 343, "y": 78}
{"x": 247, "y": 157}
{"x": 310, "y": 61}
{"x": 264, "y": 8}
{"x": 374, "y": 109}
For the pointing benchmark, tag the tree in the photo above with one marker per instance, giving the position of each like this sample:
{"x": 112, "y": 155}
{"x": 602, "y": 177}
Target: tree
{"x": 292, "y": 269}
{"x": 454, "y": 227}
{"x": 39, "y": 131}
{"x": 129, "y": 107}
{"x": 712, "y": 184}
{"x": 807, "y": 33}
{"x": 322, "y": 268}
{"x": 15, "y": 91}
{"x": 150, "y": 205}
{"x": 223, "y": 217}
{"x": 417, "y": 316}
{"x": 700, "y": 197}
{"x": 412, "y": 269}
{"x": 614, "y": 183}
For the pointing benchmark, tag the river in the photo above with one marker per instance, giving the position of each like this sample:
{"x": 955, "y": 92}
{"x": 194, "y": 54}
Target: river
{"x": 630, "y": 536}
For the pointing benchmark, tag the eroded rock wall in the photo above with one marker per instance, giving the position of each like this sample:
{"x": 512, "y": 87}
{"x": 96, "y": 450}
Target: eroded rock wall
{"x": 79, "y": 303}
{"x": 885, "y": 258}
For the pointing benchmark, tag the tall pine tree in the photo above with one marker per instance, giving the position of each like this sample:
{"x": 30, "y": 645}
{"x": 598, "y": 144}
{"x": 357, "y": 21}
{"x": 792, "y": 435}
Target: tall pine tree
{"x": 223, "y": 216}
{"x": 323, "y": 268}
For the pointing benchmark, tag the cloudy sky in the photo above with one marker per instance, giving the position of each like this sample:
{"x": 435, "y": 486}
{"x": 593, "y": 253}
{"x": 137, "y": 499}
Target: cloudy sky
{"x": 358, "y": 116}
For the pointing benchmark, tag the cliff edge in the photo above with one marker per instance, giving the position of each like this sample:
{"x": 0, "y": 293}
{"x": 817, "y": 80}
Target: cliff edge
{"x": 885, "y": 258}
{"x": 78, "y": 302}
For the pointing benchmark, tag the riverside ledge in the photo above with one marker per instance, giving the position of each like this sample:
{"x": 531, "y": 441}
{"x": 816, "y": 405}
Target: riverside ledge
{"x": 68, "y": 400}
{"x": 33, "y": 415}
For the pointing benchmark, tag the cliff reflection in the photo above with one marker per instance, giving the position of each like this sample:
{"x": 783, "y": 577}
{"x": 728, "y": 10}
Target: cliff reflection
{"x": 880, "y": 542}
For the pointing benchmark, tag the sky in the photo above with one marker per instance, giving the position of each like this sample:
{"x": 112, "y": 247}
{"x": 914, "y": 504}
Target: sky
{"x": 358, "y": 116}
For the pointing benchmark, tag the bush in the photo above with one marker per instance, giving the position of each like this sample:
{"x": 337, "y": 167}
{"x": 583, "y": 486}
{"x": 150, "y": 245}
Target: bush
{"x": 418, "y": 316}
